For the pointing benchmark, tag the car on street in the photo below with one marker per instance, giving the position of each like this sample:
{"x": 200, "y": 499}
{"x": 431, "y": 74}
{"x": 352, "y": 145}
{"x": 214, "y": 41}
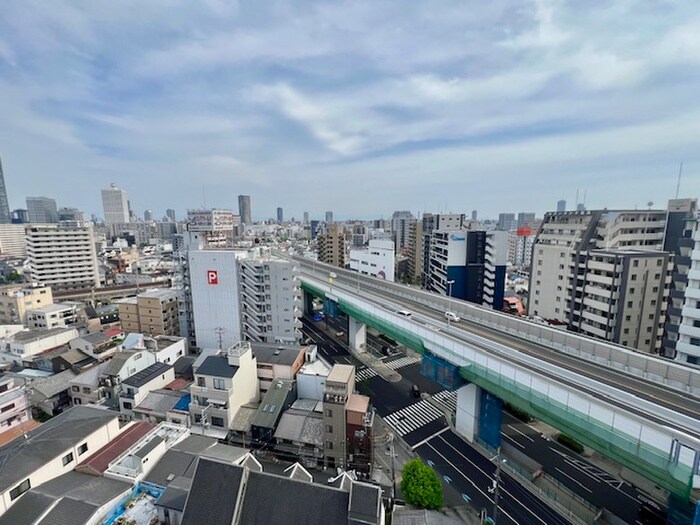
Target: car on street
{"x": 451, "y": 316}
{"x": 405, "y": 313}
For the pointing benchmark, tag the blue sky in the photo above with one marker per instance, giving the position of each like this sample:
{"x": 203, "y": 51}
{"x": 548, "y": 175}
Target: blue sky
{"x": 360, "y": 107}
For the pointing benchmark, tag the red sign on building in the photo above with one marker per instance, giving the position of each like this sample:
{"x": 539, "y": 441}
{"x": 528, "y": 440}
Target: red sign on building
{"x": 525, "y": 231}
{"x": 212, "y": 277}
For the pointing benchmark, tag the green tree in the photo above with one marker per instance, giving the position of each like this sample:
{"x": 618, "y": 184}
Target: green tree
{"x": 421, "y": 486}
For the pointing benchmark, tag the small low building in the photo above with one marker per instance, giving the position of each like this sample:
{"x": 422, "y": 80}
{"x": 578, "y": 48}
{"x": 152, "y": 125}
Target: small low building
{"x": 100, "y": 345}
{"x": 51, "y": 394}
{"x": 22, "y": 346}
{"x": 14, "y": 406}
{"x": 136, "y": 387}
{"x": 279, "y": 397}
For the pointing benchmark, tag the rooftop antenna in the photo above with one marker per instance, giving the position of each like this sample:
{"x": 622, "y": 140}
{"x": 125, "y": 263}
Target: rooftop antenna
{"x": 577, "y": 197}
{"x": 204, "y": 198}
{"x": 678, "y": 184}
{"x": 585, "y": 192}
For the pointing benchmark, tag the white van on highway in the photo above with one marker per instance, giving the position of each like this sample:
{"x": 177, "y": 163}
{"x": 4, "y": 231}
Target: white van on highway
{"x": 405, "y": 313}
{"x": 451, "y": 316}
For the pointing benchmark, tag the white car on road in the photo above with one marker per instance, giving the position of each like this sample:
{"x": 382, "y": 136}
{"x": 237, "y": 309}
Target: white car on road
{"x": 451, "y": 316}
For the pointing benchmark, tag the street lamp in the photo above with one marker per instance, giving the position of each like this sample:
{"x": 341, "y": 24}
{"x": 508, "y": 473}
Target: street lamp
{"x": 449, "y": 298}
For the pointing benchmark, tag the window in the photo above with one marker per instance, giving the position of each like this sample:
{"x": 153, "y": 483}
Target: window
{"x": 628, "y": 318}
{"x": 631, "y": 290}
{"x": 127, "y": 405}
{"x": 633, "y": 277}
{"x": 329, "y": 445}
{"x": 200, "y": 381}
{"x": 217, "y": 421}
{"x": 329, "y": 429}
{"x": 86, "y": 390}
{"x": 68, "y": 458}
{"x": 75, "y": 388}
{"x": 20, "y": 489}
{"x": 329, "y": 412}
{"x": 6, "y": 408}
{"x": 626, "y": 331}
{"x": 219, "y": 383}
{"x": 629, "y": 304}
{"x": 82, "y": 449}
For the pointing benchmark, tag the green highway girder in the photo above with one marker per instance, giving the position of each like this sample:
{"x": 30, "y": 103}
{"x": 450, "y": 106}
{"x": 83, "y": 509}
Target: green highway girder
{"x": 648, "y": 461}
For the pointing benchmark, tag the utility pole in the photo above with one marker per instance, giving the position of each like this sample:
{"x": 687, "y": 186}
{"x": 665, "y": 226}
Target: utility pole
{"x": 393, "y": 469}
{"x": 495, "y": 488}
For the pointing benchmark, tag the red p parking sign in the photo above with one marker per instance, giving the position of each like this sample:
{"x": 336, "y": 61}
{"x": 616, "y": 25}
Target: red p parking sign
{"x": 212, "y": 277}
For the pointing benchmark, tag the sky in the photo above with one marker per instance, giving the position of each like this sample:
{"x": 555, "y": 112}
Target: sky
{"x": 360, "y": 107}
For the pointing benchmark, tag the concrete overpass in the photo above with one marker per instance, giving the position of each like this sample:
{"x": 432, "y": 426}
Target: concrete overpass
{"x": 640, "y": 410}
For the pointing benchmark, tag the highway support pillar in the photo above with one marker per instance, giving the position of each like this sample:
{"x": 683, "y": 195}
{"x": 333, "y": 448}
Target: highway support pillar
{"x": 357, "y": 335}
{"x": 308, "y": 303}
{"x": 479, "y": 415}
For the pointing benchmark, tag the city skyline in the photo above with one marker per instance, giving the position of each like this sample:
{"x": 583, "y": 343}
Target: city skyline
{"x": 357, "y": 108}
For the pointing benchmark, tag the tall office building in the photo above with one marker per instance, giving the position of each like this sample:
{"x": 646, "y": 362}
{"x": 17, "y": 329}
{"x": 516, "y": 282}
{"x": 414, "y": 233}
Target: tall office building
{"x": 561, "y": 206}
{"x": 63, "y": 256}
{"x": 599, "y": 271}
{"x": 329, "y": 217}
{"x": 4, "y": 204}
{"x": 331, "y": 246}
{"x": 469, "y": 265}
{"x": 244, "y": 210}
{"x": 400, "y": 224}
{"x": 306, "y": 217}
{"x": 525, "y": 218}
{"x": 506, "y": 222}
{"x": 42, "y": 210}
{"x": 280, "y": 216}
{"x": 170, "y": 214}
{"x": 474, "y": 215}
{"x": 148, "y": 215}
{"x": 70, "y": 214}
{"x": 19, "y": 216}
{"x": 115, "y": 205}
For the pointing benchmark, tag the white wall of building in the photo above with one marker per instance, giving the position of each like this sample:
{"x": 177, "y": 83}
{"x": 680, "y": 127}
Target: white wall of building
{"x": 215, "y": 302}
{"x": 376, "y": 260}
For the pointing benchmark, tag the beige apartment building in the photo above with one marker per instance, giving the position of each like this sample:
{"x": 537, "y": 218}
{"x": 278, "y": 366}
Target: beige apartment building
{"x": 331, "y": 246}
{"x": 18, "y": 299}
{"x": 154, "y": 312}
{"x": 340, "y": 385}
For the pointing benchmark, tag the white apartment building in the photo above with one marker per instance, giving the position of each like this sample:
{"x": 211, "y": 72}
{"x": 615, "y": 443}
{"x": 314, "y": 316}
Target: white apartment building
{"x": 611, "y": 258}
{"x": 63, "y": 256}
{"x": 13, "y": 241}
{"x": 520, "y": 243}
{"x": 270, "y": 299}
{"x": 115, "y": 205}
{"x": 376, "y": 260}
{"x": 23, "y": 345}
{"x": 53, "y": 316}
{"x": 223, "y": 382}
{"x": 688, "y": 345}
{"x": 18, "y": 299}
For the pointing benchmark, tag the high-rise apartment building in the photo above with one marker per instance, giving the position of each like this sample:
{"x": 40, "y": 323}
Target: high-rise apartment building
{"x": 154, "y": 312}
{"x": 680, "y": 225}
{"x": 270, "y": 299}
{"x": 469, "y": 265}
{"x": 4, "y": 203}
{"x": 331, "y": 246}
{"x": 63, "y": 256}
{"x": 115, "y": 205}
{"x": 400, "y": 224}
{"x": 42, "y": 210}
{"x": 561, "y": 206}
{"x": 584, "y": 260}
{"x": 280, "y": 215}
{"x": 329, "y": 217}
{"x": 415, "y": 251}
{"x": 13, "y": 240}
{"x": 520, "y": 243}
{"x": 170, "y": 214}
{"x": 506, "y": 221}
{"x": 148, "y": 215}
{"x": 686, "y": 347}
{"x": 244, "y": 210}
{"x": 432, "y": 222}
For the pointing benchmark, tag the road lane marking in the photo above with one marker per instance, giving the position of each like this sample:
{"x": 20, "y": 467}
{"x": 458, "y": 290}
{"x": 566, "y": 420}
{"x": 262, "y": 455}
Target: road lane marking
{"x": 584, "y": 487}
{"x": 513, "y": 440}
{"x": 414, "y": 447}
{"x": 521, "y": 433}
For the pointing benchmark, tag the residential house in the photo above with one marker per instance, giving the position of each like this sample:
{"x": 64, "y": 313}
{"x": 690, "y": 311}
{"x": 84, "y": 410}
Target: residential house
{"x": 136, "y": 387}
{"x": 100, "y": 345}
{"x": 14, "y": 407}
{"x": 277, "y": 362}
{"x": 22, "y": 346}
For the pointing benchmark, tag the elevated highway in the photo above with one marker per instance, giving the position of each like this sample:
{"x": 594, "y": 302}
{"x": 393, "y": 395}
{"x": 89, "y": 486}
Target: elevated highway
{"x": 640, "y": 410}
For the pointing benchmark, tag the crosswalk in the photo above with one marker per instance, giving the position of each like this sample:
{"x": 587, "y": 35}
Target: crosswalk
{"x": 402, "y": 361}
{"x": 448, "y": 399}
{"x": 413, "y": 417}
{"x": 364, "y": 373}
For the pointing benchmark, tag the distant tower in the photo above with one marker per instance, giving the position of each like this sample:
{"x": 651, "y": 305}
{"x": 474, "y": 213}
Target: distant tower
{"x": 280, "y": 215}
{"x": 329, "y": 217}
{"x": 474, "y": 215}
{"x": 148, "y": 215}
{"x": 115, "y": 205}
{"x": 170, "y": 214}
{"x": 561, "y": 205}
{"x": 306, "y": 217}
{"x": 244, "y": 209}
{"x": 4, "y": 206}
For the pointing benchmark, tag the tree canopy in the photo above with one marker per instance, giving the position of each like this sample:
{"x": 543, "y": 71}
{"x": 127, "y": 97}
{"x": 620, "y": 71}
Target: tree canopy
{"x": 421, "y": 486}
